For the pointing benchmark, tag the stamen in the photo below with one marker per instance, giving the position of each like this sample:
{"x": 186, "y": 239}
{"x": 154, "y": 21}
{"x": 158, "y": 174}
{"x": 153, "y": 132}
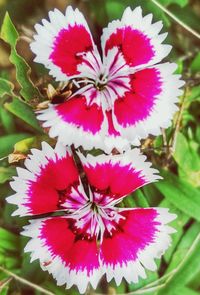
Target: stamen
{"x": 76, "y": 83}
{"x": 82, "y": 90}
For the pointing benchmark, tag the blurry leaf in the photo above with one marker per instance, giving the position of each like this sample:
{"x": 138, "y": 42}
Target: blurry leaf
{"x": 195, "y": 282}
{"x": 4, "y": 56}
{"x": 59, "y": 290}
{"x": 152, "y": 195}
{"x": 151, "y": 277}
{"x": 140, "y": 199}
{"x": 4, "y": 286}
{"x": 8, "y": 235}
{"x": 8, "y": 241}
{"x": 24, "y": 112}
{"x": 158, "y": 142}
{"x": 32, "y": 270}
{"x": 6, "y": 87}
{"x": 7, "y": 142}
{"x": 8, "y": 210}
{"x": 23, "y": 146}
{"x": 197, "y": 134}
{"x": 114, "y": 9}
{"x": 177, "y": 224}
{"x": 183, "y": 247}
{"x": 158, "y": 14}
{"x": 179, "y": 70}
{"x": 11, "y": 262}
{"x": 186, "y": 14}
{"x": 188, "y": 267}
{"x": 128, "y": 202}
{"x": 6, "y": 173}
{"x": 10, "y": 36}
{"x": 188, "y": 160}
{"x": 185, "y": 291}
{"x": 185, "y": 197}
{"x": 181, "y": 3}
{"x": 98, "y": 12}
{"x": 195, "y": 65}
{"x": 7, "y": 120}
{"x": 121, "y": 289}
{"x": 194, "y": 94}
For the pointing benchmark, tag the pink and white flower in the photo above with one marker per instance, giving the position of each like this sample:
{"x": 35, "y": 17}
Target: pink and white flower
{"x": 119, "y": 98}
{"x": 91, "y": 235}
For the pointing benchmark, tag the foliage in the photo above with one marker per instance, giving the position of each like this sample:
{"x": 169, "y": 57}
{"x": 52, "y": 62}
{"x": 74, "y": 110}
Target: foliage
{"x": 176, "y": 154}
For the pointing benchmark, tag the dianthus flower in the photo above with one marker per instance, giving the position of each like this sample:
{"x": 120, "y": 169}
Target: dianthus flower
{"x": 85, "y": 234}
{"x": 118, "y": 97}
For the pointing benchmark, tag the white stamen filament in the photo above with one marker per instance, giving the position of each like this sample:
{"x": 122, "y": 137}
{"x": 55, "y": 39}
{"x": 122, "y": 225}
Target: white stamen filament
{"x": 82, "y": 90}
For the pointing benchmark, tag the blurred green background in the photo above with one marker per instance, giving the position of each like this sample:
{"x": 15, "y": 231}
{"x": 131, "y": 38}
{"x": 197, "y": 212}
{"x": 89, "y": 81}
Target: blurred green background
{"x": 175, "y": 153}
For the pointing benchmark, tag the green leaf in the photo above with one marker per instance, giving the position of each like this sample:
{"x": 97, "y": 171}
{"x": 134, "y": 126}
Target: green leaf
{"x": 194, "y": 94}
{"x": 188, "y": 160}
{"x": 8, "y": 241}
{"x": 183, "y": 247}
{"x": 152, "y": 195}
{"x": 7, "y": 120}
{"x": 188, "y": 267}
{"x": 6, "y": 173}
{"x": 151, "y": 277}
{"x": 129, "y": 202}
{"x": 58, "y": 290}
{"x": 10, "y": 35}
{"x": 195, "y": 65}
{"x": 6, "y": 234}
{"x": 188, "y": 15}
{"x": 183, "y": 195}
{"x": 6, "y": 87}
{"x": 140, "y": 199}
{"x": 121, "y": 289}
{"x": 24, "y": 112}
{"x": 7, "y": 142}
{"x": 185, "y": 291}
{"x": 178, "y": 224}
{"x": 4, "y": 285}
{"x": 180, "y": 65}
{"x": 114, "y": 9}
{"x": 23, "y": 146}
{"x": 181, "y": 3}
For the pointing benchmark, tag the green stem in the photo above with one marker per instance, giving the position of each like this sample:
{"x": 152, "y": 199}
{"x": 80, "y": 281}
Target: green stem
{"x": 176, "y": 19}
{"x": 25, "y": 282}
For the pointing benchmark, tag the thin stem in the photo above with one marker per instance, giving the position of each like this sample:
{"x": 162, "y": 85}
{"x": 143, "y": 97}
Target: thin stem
{"x": 176, "y": 19}
{"x": 161, "y": 279}
{"x": 4, "y": 283}
{"x": 1, "y": 159}
{"x": 25, "y": 282}
{"x": 144, "y": 290}
{"x": 164, "y": 136}
{"x": 173, "y": 140}
{"x": 164, "y": 148}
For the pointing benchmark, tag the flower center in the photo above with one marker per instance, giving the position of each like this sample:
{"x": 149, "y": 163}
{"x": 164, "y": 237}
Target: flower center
{"x": 101, "y": 82}
{"x": 94, "y": 206}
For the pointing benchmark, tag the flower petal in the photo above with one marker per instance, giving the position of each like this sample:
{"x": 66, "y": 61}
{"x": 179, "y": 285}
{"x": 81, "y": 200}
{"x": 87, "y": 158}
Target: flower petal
{"x": 75, "y": 122}
{"x": 40, "y": 188}
{"x": 150, "y": 105}
{"x": 71, "y": 259}
{"x": 57, "y": 43}
{"x": 137, "y": 38}
{"x": 116, "y": 176}
{"x": 141, "y": 236}
{"x": 113, "y": 139}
